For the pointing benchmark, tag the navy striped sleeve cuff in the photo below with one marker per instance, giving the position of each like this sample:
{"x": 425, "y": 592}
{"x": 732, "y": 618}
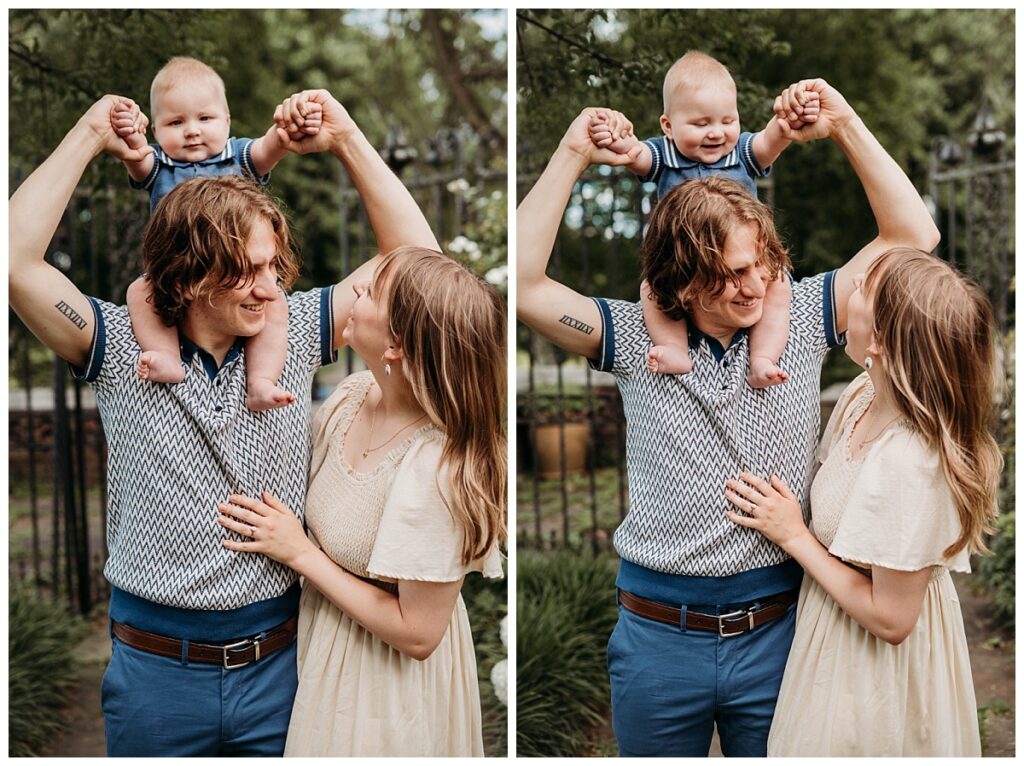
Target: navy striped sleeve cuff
{"x": 746, "y": 146}
{"x": 147, "y": 182}
{"x": 245, "y": 154}
{"x": 657, "y": 161}
{"x": 328, "y": 353}
{"x": 606, "y": 357}
{"x": 94, "y": 363}
{"x": 828, "y": 312}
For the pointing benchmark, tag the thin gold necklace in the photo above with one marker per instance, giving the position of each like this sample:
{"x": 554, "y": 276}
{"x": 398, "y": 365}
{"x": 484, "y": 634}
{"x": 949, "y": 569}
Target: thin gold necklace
{"x": 373, "y": 420}
{"x": 875, "y": 438}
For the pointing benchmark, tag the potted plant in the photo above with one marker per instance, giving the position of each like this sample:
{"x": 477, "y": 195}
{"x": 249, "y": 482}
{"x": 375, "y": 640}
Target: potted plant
{"x": 561, "y": 421}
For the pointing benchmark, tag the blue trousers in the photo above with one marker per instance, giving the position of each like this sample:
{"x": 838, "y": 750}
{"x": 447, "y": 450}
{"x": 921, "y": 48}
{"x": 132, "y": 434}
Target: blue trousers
{"x": 158, "y": 706}
{"x": 671, "y": 686}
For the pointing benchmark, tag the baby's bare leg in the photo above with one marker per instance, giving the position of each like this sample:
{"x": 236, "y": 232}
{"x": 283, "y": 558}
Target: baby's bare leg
{"x": 161, "y": 360}
{"x": 769, "y": 336}
{"x": 670, "y": 354}
{"x": 264, "y": 358}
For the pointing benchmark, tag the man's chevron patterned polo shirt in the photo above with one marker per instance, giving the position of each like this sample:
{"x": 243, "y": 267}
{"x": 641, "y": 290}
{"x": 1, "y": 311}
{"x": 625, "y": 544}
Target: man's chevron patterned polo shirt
{"x": 175, "y": 451}
{"x": 687, "y": 434}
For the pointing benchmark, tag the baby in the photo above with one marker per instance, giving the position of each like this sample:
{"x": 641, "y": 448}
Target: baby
{"x": 191, "y": 122}
{"x": 701, "y": 138}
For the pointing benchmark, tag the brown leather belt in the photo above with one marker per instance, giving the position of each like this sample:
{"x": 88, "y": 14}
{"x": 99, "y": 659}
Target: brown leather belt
{"x": 234, "y": 654}
{"x": 725, "y": 625}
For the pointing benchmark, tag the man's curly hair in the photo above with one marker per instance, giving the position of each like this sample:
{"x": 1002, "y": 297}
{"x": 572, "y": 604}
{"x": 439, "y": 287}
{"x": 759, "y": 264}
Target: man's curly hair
{"x": 195, "y": 243}
{"x": 682, "y": 253}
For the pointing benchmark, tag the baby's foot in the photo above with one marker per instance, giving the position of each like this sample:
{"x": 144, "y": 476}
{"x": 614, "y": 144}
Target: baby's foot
{"x": 764, "y": 373}
{"x": 160, "y": 367}
{"x": 669, "y": 360}
{"x": 262, "y": 395}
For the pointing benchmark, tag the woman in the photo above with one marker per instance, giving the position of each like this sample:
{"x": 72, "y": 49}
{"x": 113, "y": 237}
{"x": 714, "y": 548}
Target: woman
{"x": 406, "y": 495}
{"x": 906, "y": 490}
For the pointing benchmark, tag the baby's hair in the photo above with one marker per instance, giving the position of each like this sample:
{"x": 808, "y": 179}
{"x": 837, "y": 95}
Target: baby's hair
{"x": 182, "y": 69}
{"x": 693, "y": 69}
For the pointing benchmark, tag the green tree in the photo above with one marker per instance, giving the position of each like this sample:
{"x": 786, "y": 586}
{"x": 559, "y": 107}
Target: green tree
{"x": 407, "y": 76}
{"x": 911, "y": 74}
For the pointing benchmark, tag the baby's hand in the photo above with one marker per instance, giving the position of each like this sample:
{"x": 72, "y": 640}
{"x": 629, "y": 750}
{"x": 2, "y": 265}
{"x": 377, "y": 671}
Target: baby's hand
{"x": 801, "y": 112}
{"x": 606, "y": 133}
{"x": 129, "y": 123}
{"x": 312, "y": 119}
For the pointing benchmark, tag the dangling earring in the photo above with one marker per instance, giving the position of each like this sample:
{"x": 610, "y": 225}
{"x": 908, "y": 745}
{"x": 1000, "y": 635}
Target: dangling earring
{"x": 868, "y": 362}
{"x": 387, "y": 369}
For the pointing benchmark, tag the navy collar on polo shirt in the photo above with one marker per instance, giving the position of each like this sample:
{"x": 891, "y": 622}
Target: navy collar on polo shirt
{"x": 679, "y": 160}
{"x": 714, "y": 345}
{"x": 227, "y": 154}
{"x": 190, "y": 349}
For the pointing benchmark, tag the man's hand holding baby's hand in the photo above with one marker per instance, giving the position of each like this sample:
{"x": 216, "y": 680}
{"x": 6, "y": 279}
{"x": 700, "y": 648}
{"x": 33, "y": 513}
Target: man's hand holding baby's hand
{"x": 129, "y": 123}
{"x": 799, "y": 111}
{"x": 609, "y": 130}
{"x": 297, "y": 127}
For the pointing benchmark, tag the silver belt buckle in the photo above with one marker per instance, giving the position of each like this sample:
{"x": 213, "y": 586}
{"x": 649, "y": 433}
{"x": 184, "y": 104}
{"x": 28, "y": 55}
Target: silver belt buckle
{"x": 237, "y": 645}
{"x": 723, "y": 617}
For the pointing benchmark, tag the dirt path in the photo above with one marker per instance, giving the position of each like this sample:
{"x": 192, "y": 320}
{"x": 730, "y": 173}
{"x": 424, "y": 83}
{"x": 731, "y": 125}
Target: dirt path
{"x": 992, "y": 662}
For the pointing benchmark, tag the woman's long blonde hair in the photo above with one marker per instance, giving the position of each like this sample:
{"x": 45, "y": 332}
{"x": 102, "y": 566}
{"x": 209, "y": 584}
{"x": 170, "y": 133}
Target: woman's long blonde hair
{"x": 935, "y": 330}
{"x": 451, "y": 327}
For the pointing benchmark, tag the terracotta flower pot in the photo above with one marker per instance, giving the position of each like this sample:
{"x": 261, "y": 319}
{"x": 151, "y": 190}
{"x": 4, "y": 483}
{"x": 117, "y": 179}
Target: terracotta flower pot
{"x": 549, "y": 450}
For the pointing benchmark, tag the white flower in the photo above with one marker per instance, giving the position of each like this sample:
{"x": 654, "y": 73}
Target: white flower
{"x": 458, "y": 186}
{"x": 465, "y": 245}
{"x": 498, "y": 275}
{"x": 499, "y": 678}
{"x": 503, "y": 630}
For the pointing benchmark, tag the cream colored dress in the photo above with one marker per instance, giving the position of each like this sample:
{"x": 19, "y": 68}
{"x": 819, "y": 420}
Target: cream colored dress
{"x": 356, "y": 694}
{"x": 846, "y": 692}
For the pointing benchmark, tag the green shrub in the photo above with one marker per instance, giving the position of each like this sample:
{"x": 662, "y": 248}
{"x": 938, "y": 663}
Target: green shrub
{"x": 997, "y": 571}
{"x": 566, "y": 612}
{"x": 487, "y": 603}
{"x": 40, "y": 668}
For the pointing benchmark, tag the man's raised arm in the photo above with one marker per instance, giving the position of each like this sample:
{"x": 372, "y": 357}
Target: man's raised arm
{"x": 52, "y": 308}
{"x": 559, "y": 313}
{"x": 901, "y": 215}
{"x": 395, "y": 217}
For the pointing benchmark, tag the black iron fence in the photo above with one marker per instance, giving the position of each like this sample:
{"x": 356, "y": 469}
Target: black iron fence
{"x": 970, "y": 184}
{"x": 57, "y": 454}
{"x": 572, "y": 487}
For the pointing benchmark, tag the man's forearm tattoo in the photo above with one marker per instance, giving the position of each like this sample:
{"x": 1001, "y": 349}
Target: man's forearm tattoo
{"x": 70, "y": 313}
{"x": 576, "y": 324}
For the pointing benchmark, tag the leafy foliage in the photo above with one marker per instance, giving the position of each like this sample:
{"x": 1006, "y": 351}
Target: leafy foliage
{"x": 998, "y": 571}
{"x": 40, "y": 668}
{"x": 487, "y": 603}
{"x": 912, "y": 75}
{"x": 566, "y": 612}
{"x": 387, "y": 67}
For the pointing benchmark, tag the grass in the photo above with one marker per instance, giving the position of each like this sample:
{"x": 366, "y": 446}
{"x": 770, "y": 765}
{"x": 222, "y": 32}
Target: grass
{"x": 995, "y": 708}
{"x": 19, "y": 526}
{"x": 579, "y": 505}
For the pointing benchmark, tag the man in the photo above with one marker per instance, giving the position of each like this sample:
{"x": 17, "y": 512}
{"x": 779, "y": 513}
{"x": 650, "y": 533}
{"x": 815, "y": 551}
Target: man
{"x": 203, "y": 637}
{"x": 706, "y": 608}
